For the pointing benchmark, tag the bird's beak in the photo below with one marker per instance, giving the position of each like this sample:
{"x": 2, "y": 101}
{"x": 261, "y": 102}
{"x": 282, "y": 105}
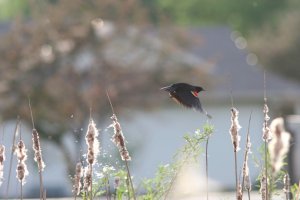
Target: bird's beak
{"x": 165, "y": 88}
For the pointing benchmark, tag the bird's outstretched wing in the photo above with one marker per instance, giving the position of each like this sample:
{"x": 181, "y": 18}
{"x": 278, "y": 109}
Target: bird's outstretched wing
{"x": 187, "y": 99}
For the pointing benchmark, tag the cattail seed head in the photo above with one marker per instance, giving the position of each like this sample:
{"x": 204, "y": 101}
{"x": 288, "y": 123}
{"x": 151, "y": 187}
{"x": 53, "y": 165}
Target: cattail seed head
{"x": 279, "y": 145}
{"x": 77, "y": 183}
{"x": 92, "y": 142}
{"x": 87, "y": 182}
{"x": 234, "y": 129}
{"x": 266, "y": 130}
{"x": 286, "y": 183}
{"x": 263, "y": 189}
{"x": 240, "y": 192}
{"x": 37, "y": 150}
{"x": 119, "y": 140}
{"x": 21, "y": 153}
{"x": 2, "y": 159}
{"x": 246, "y": 173}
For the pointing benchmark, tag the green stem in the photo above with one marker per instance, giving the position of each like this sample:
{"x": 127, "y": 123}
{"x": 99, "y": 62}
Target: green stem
{"x": 206, "y": 166}
{"x": 266, "y": 169}
{"x": 130, "y": 180}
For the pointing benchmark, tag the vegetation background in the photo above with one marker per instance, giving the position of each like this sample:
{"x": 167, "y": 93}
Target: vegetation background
{"x": 43, "y": 38}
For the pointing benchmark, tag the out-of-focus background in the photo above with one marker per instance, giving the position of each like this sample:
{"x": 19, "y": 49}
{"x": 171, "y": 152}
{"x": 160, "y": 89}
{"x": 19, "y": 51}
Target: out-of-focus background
{"x": 65, "y": 54}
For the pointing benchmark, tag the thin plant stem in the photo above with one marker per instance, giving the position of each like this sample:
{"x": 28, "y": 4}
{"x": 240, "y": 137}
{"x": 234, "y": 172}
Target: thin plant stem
{"x": 41, "y": 185}
{"x": 130, "y": 180}
{"x": 128, "y": 187}
{"x": 21, "y": 190}
{"x": 206, "y": 165}
{"x": 106, "y": 193}
{"x": 236, "y": 176}
{"x": 91, "y": 195}
{"x": 11, "y": 155}
{"x": 266, "y": 153}
{"x": 249, "y": 195}
{"x": 107, "y": 188}
{"x": 266, "y": 170}
{"x": 42, "y": 192}
{"x": 246, "y": 155}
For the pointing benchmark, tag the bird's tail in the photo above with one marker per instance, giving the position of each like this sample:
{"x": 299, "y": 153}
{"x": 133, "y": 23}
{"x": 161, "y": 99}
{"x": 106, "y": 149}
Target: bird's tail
{"x": 208, "y": 115}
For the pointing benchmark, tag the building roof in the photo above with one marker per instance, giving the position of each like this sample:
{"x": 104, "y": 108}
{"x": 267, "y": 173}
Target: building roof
{"x": 235, "y": 68}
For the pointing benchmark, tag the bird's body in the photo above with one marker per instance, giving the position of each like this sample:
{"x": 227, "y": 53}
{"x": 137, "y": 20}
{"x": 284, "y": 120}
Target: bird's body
{"x": 186, "y": 95}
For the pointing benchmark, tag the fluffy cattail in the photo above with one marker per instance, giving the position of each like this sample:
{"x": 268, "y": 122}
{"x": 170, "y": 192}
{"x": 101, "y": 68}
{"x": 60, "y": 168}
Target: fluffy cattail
{"x": 266, "y": 131}
{"x": 263, "y": 189}
{"x": 21, "y": 153}
{"x": 92, "y": 142}
{"x": 287, "y": 186}
{"x": 279, "y": 145}
{"x": 240, "y": 192}
{"x": 247, "y": 185}
{"x": 2, "y": 159}
{"x": 234, "y": 129}
{"x": 37, "y": 150}
{"x": 119, "y": 139}
{"x": 78, "y": 174}
{"x": 87, "y": 181}
{"x": 246, "y": 173}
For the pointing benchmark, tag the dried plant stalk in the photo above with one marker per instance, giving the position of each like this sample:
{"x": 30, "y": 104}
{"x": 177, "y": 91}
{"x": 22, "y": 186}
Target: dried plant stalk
{"x": 240, "y": 192}
{"x": 246, "y": 182}
{"x": 37, "y": 150}
{"x": 38, "y": 158}
{"x": 287, "y": 186}
{"x": 22, "y": 171}
{"x": 263, "y": 189}
{"x": 87, "y": 182}
{"x": 16, "y": 131}
{"x": 266, "y": 138}
{"x": 234, "y": 129}
{"x": 2, "y": 159}
{"x": 93, "y": 151}
{"x": 92, "y": 142}
{"x": 235, "y": 138}
{"x": 77, "y": 179}
{"x": 266, "y": 130}
{"x": 119, "y": 139}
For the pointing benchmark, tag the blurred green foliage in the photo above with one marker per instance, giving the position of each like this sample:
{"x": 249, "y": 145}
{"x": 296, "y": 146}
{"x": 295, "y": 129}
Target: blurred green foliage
{"x": 10, "y": 9}
{"x": 241, "y": 15}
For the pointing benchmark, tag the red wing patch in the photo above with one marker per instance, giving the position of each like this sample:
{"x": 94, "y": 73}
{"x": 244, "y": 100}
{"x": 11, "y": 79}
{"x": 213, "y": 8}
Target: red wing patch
{"x": 194, "y": 93}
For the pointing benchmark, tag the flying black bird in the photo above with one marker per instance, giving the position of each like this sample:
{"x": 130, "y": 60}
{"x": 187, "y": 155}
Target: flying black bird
{"x": 186, "y": 95}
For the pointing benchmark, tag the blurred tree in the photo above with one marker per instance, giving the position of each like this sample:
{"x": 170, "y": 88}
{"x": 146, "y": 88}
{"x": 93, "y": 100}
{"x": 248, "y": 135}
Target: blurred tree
{"x": 278, "y": 47}
{"x": 9, "y": 9}
{"x": 65, "y": 58}
{"x": 241, "y": 15}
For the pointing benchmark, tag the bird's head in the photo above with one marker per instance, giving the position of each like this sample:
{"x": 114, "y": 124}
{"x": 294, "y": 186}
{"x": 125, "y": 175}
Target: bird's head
{"x": 199, "y": 89}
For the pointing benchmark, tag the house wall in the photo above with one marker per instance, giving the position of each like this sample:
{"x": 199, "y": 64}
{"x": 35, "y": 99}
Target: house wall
{"x": 157, "y": 135}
